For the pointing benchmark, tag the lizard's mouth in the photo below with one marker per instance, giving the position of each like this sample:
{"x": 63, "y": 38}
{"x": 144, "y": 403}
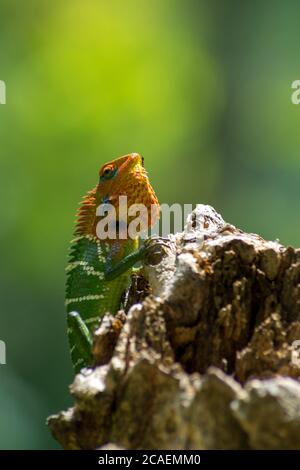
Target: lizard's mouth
{"x": 136, "y": 158}
{"x": 131, "y": 161}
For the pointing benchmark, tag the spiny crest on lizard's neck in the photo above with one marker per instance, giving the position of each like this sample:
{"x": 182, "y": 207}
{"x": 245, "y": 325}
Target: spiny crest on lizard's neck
{"x": 125, "y": 176}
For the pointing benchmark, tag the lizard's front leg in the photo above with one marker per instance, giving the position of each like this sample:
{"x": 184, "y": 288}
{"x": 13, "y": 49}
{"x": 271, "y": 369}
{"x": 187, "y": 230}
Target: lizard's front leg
{"x": 130, "y": 260}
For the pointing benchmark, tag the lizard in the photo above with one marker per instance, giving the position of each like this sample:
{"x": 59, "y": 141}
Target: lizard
{"x": 98, "y": 269}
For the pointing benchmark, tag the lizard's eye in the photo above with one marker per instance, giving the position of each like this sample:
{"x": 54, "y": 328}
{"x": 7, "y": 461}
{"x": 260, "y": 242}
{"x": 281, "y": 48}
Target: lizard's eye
{"x": 108, "y": 172}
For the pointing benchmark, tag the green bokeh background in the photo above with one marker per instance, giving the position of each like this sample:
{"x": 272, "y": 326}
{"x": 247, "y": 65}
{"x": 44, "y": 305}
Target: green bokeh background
{"x": 201, "y": 88}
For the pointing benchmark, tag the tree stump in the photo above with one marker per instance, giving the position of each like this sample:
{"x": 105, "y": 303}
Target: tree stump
{"x": 206, "y": 359}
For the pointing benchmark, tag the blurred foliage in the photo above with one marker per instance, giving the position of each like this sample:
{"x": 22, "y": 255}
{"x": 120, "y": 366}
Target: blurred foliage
{"x": 200, "y": 88}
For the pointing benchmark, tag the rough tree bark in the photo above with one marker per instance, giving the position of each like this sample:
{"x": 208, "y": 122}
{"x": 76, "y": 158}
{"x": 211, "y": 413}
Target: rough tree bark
{"x": 206, "y": 360}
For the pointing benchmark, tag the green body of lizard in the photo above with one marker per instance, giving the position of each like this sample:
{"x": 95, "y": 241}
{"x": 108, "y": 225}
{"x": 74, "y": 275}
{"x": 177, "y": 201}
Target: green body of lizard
{"x": 98, "y": 270}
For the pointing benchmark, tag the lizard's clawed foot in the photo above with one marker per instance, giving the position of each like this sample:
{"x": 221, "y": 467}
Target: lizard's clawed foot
{"x": 156, "y": 248}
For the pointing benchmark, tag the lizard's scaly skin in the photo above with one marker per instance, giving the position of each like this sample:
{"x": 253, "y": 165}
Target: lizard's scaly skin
{"x": 88, "y": 292}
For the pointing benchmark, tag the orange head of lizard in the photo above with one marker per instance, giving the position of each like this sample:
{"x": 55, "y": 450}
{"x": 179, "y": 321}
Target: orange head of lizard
{"x": 124, "y": 176}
